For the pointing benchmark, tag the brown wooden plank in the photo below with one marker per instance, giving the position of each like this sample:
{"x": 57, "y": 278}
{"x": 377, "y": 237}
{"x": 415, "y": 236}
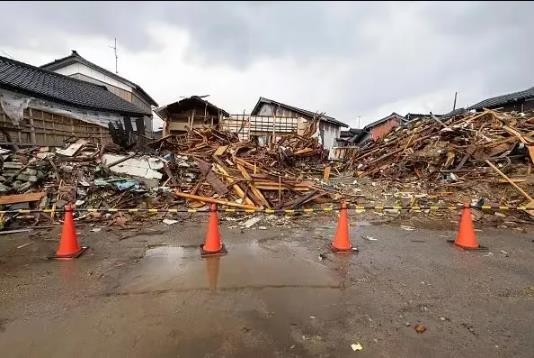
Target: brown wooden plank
{"x": 220, "y": 150}
{"x": 212, "y": 200}
{"x": 21, "y": 198}
{"x": 326, "y": 173}
{"x": 216, "y": 183}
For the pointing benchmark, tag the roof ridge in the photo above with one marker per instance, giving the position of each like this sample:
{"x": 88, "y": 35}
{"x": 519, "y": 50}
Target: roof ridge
{"x": 76, "y": 54}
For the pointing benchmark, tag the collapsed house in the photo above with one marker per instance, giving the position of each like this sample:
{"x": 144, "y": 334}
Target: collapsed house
{"x": 189, "y": 113}
{"x": 270, "y": 120}
{"x": 39, "y": 107}
{"x": 457, "y": 152}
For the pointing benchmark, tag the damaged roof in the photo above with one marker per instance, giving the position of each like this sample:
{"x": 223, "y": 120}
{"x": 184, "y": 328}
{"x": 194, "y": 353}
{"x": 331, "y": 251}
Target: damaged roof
{"x": 385, "y": 119}
{"x": 34, "y": 81}
{"x": 187, "y": 104}
{"x": 301, "y": 111}
{"x": 75, "y": 57}
{"x": 504, "y": 99}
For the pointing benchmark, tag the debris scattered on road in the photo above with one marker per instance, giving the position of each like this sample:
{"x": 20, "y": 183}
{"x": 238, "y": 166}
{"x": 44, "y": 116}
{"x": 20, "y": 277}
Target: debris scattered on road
{"x": 24, "y": 245}
{"x": 369, "y": 238}
{"x": 407, "y": 228}
{"x": 356, "y": 347}
{"x": 251, "y": 222}
{"x": 419, "y": 328}
{"x": 469, "y": 328}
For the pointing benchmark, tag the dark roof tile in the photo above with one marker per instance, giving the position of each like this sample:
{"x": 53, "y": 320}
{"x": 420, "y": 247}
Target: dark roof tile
{"x": 21, "y": 77}
{"x": 504, "y": 99}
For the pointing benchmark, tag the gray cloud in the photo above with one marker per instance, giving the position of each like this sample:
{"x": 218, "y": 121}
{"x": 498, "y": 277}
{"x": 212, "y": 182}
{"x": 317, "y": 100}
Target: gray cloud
{"x": 388, "y": 52}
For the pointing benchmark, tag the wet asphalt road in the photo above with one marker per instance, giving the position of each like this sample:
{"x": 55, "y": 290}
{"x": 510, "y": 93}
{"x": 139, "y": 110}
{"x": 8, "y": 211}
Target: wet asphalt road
{"x": 149, "y": 294}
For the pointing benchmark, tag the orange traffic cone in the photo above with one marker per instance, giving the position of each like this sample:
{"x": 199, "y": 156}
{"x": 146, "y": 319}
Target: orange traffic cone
{"x": 341, "y": 242}
{"x": 68, "y": 243}
{"x": 466, "y": 238}
{"x": 213, "y": 245}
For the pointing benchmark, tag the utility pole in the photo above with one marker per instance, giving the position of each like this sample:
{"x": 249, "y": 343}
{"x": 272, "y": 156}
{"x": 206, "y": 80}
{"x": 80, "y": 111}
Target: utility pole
{"x": 116, "y": 56}
{"x": 454, "y": 105}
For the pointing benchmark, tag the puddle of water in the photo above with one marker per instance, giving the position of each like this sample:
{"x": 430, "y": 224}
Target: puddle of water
{"x": 245, "y": 266}
{"x": 168, "y": 252}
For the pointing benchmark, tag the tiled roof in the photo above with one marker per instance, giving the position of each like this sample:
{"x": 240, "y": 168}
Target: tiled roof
{"x": 21, "y": 77}
{"x": 504, "y": 99}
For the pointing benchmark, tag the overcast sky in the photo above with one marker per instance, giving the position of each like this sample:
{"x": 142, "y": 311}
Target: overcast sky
{"x": 350, "y": 60}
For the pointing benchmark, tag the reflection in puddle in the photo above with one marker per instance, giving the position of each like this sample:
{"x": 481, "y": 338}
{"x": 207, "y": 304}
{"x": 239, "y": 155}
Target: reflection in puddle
{"x": 212, "y": 270}
{"x": 245, "y": 265}
{"x": 170, "y": 252}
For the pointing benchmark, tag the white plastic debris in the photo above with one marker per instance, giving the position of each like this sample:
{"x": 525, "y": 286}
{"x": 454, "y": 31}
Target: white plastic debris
{"x": 169, "y": 221}
{"x": 369, "y": 238}
{"x": 356, "y": 347}
{"x": 407, "y": 228}
{"x": 250, "y": 222}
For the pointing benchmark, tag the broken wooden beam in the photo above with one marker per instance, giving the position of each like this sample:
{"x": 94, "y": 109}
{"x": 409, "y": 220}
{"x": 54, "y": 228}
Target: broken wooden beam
{"x": 206, "y": 199}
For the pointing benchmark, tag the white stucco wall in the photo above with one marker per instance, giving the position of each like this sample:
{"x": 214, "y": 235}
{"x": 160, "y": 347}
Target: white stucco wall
{"x": 89, "y": 72}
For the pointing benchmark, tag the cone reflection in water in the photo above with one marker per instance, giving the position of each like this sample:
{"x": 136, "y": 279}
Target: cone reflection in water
{"x": 212, "y": 271}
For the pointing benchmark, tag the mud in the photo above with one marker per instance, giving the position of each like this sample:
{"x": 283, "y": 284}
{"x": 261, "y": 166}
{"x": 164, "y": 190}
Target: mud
{"x": 141, "y": 294}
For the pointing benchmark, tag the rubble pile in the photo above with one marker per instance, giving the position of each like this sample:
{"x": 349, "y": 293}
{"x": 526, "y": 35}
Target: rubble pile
{"x": 243, "y": 174}
{"x": 204, "y": 166}
{"x": 83, "y": 173}
{"x": 480, "y": 151}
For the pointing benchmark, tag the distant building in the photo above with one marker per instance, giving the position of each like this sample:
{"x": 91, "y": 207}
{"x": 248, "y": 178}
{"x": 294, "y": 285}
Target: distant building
{"x": 271, "y": 117}
{"x": 80, "y": 68}
{"x": 191, "y": 112}
{"x": 378, "y": 129}
{"x": 40, "y": 107}
{"x": 517, "y": 101}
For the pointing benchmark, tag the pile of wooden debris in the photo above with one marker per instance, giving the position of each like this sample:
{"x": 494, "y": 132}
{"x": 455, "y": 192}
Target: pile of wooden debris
{"x": 245, "y": 175}
{"x": 487, "y": 147}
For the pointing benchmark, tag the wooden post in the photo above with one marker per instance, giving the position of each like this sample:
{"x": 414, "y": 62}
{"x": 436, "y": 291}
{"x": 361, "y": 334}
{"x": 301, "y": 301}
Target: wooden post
{"x": 274, "y": 124}
{"x": 32, "y": 128}
{"x": 279, "y": 190}
{"x": 44, "y": 129}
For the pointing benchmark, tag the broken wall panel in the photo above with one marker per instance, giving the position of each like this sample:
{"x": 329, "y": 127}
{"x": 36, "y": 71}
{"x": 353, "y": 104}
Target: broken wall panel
{"x": 44, "y": 128}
